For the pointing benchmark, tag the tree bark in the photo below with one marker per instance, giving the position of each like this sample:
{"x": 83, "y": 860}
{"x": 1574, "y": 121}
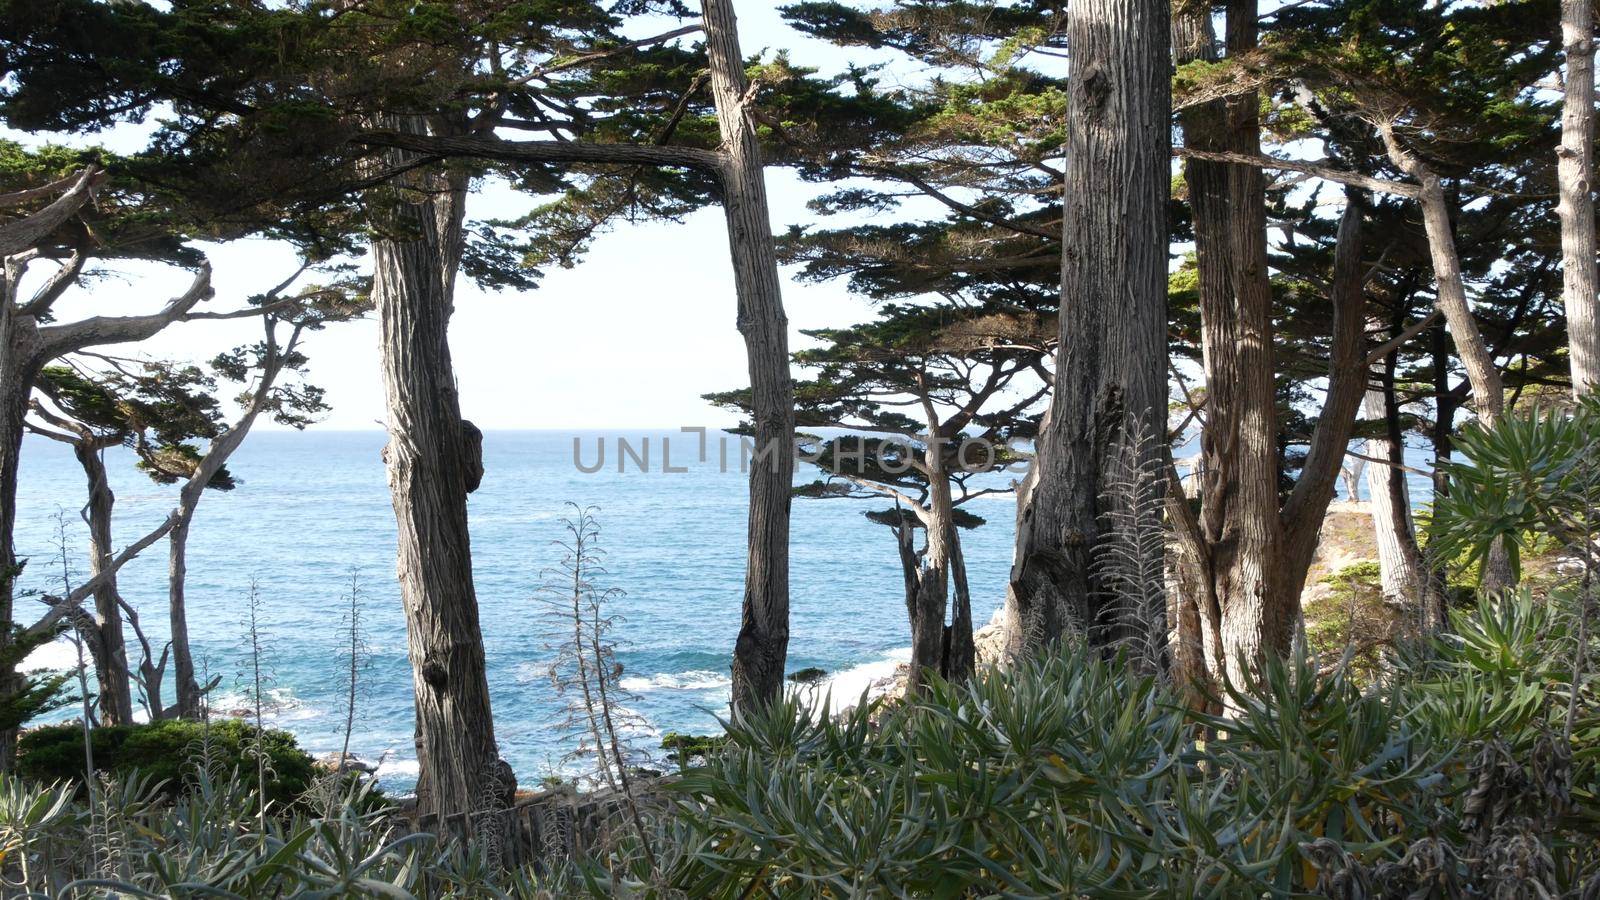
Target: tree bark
{"x": 762, "y": 649}
{"x": 1110, "y": 380}
{"x": 18, "y": 367}
{"x": 1488, "y": 390}
{"x": 1238, "y": 524}
{"x": 1307, "y": 506}
{"x": 1255, "y": 621}
{"x": 929, "y": 602}
{"x": 415, "y": 251}
{"x": 20, "y": 358}
{"x": 1386, "y": 488}
{"x": 960, "y": 647}
{"x": 110, "y": 656}
{"x": 186, "y": 688}
{"x": 1575, "y": 183}
{"x": 1404, "y": 577}
{"x": 1242, "y": 561}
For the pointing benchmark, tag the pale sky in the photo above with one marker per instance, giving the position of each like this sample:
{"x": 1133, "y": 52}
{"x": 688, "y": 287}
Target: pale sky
{"x": 631, "y": 337}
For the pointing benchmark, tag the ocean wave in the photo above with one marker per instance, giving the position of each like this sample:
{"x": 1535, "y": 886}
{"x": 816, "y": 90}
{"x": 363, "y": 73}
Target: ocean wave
{"x": 277, "y": 705}
{"x": 392, "y": 768}
{"x": 531, "y": 672}
{"x": 697, "y": 680}
{"x": 55, "y": 656}
{"x": 846, "y": 686}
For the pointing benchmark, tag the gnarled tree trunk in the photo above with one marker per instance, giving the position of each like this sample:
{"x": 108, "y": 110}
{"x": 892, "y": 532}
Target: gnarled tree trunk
{"x": 1241, "y": 558}
{"x": 762, "y": 649}
{"x": 415, "y": 252}
{"x": 21, "y": 355}
{"x": 1110, "y": 379}
{"x": 109, "y": 647}
{"x": 17, "y": 371}
{"x": 960, "y": 648}
{"x": 928, "y": 604}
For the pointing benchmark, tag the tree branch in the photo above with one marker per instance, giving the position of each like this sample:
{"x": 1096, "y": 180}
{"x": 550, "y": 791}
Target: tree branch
{"x": 452, "y": 147}
{"x": 1319, "y": 169}
{"x": 59, "y": 339}
{"x": 1395, "y": 343}
{"x": 1348, "y": 379}
{"x": 575, "y": 61}
{"x": 26, "y": 233}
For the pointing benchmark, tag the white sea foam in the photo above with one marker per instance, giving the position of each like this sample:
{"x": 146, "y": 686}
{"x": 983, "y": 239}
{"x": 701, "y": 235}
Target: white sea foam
{"x": 56, "y": 655}
{"x": 277, "y": 705}
{"x": 845, "y": 687}
{"x": 392, "y": 769}
{"x": 697, "y": 680}
{"x": 393, "y": 766}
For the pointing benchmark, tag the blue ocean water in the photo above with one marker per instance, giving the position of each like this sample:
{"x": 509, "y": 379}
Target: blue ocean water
{"x": 312, "y": 506}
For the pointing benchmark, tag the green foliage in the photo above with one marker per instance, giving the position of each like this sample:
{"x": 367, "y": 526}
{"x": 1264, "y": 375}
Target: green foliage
{"x": 1533, "y": 474}
{"x": 31, "y": 694}
{"x": 1352, "y": 618}
{"x": 135, "y": 840}
{"x": 1075, "y": 776}
{"x": 1071, "y": 776}
{"x": 685, "y": 750}
{"x": 169, "y": 751}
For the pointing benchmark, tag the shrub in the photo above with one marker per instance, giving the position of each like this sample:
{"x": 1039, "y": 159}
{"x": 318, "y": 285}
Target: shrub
{"x": 169, "y": 751}
{"x": 685, "y": 750}
{"x": 1458, "y": 776}
{"x": 1076, "y": 776}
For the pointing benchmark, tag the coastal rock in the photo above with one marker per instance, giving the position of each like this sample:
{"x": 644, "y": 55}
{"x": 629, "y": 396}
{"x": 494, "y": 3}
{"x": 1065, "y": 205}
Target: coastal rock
{"x": 329, "y": 762}
{"x": 990, "y": 641}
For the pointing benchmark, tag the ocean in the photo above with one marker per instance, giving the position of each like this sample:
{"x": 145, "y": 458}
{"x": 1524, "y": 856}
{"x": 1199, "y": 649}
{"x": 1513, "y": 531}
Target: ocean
{"x": 312, "y": 507}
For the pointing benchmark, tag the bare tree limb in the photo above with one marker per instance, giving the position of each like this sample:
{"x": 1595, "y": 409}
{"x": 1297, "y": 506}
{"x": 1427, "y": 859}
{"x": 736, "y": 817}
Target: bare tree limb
{"x": 452, "y": 147}
{"x": 576, "y": 61}
{"x": 1399, "y": 340}
{"x": 56, "y": 340}
{"x": 25, "y": 233}
{"x": 1320, "y": 169}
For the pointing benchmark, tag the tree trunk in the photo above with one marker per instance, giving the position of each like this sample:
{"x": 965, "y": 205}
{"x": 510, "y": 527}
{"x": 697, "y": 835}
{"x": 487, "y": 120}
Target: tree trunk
{"x": 1242, "y": 561}
{"x": 415, "y": 252}
{"x": 18, "y": 365}
{"x": 1307, "y": 505}
{"x": 186, "y": 688}
{"x": 930, "y": 601}
{"x": 1196, "y": 613}
{"x": 1255, "y": 620}
{"x": 1575, "y": 182}
{"x": 1110, "y": 380}
{"x": 960, "y": 647}
{"x": 1017, "y": 638}
{"x": 1238, "y": 525}
{"x": 1488, "y": 390}
{"x": 762, "y": 649}
{"x": 1386, "y": 490}
{"x": 1351, "y": 475}
{"x": 110, "y": 656}
{"x": 1404, "y": 575}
